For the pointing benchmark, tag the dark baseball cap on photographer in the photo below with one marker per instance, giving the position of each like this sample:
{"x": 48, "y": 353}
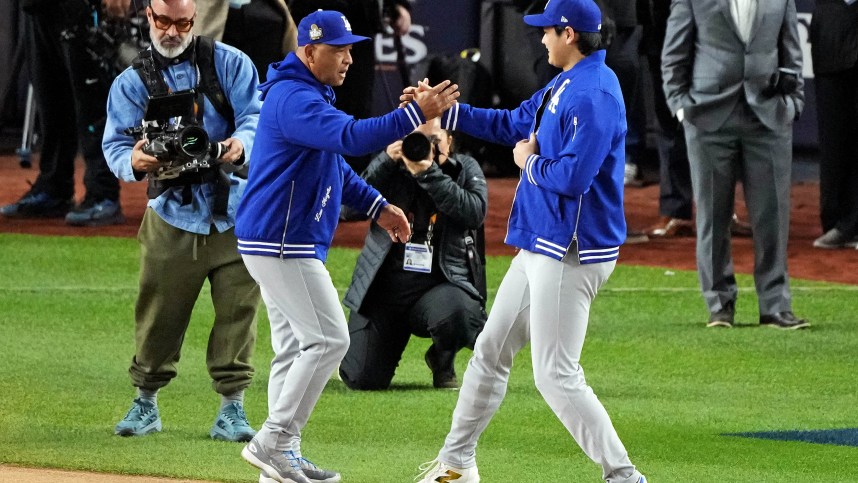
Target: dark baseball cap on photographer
{"x": 326, "y": 27}
{"x": 581, "y": 15}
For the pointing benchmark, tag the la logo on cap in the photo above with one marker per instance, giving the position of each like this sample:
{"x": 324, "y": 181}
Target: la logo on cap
{"x": 346, "y": 23}
{"x": 315, "y": 32}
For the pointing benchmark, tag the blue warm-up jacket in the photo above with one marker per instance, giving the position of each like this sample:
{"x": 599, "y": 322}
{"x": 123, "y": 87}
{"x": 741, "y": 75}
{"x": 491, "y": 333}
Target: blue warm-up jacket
{"x": 298, "y": 178}
{"x": 571, "y": 191}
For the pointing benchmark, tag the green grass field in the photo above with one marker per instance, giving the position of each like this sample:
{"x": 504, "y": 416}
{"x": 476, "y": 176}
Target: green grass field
{"x": 671, "y": 387}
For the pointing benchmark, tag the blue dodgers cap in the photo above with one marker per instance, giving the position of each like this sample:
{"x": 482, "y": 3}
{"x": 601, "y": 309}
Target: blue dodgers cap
{"x": 581, "y": 15}
{"x": 326, "y": 27}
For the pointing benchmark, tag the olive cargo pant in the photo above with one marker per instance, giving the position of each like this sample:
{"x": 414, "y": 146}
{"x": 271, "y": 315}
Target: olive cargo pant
{"x": 174, "y": 265}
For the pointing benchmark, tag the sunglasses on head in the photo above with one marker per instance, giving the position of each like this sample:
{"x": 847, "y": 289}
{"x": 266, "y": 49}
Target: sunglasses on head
{"x": 163, "y": 22}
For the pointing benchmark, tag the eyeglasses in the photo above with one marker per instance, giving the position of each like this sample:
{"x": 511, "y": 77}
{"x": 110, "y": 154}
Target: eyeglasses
{"x": 163, "y": 22}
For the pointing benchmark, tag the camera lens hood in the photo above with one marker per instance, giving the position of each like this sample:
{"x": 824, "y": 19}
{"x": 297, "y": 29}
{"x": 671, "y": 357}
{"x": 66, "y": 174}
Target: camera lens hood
{"x": 416, "y": 146}
{"x": 193, "y": 142}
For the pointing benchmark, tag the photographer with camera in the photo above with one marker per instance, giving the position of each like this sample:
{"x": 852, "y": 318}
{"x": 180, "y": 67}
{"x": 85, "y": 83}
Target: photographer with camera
{"x": 732, "y": 78}
{"x": 70, "y": 83}
{"x": 187, "y": 91}
{"x": 441, "y": 293}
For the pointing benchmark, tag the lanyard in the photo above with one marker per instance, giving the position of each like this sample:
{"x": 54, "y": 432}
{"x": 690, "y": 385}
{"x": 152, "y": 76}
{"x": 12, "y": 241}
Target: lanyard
{"x": 429, "y": 229}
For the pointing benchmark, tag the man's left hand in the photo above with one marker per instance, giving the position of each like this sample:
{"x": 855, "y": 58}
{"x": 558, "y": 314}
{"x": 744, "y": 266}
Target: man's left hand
{"x": 234, "y": 150}
{"x": 523, "y": 149}
{"x": 393, "y": 220}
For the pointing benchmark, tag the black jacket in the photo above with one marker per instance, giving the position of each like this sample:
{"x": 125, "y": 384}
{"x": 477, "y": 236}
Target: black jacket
{"x": 461, "y": 200}
{"x": 834, "y": 36}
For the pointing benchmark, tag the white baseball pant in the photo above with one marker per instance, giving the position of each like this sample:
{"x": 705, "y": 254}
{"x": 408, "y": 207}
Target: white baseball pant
{"x": 309, "y": 336}
{"x": 547, "y": 302}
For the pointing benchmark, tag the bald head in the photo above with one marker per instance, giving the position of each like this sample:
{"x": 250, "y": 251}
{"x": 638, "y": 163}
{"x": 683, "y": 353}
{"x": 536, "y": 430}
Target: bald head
{"x": 170, "y": 25}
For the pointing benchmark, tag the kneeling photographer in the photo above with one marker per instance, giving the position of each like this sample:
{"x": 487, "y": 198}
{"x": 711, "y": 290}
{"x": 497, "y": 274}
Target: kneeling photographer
{"x": 433, "y": 286}
{"x": 197, "y": 102}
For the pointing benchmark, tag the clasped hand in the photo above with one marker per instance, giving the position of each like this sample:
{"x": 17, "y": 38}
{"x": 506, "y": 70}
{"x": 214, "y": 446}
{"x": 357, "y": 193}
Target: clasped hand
{"x": 433, "y": 101}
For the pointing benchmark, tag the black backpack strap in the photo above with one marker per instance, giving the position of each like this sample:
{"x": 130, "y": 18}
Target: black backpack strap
{"x": 209, "y": 83}
{"x": 151, "y": 76}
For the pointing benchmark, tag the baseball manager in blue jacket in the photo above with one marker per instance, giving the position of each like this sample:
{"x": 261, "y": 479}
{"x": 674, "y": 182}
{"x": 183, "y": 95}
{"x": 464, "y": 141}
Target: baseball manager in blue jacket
{"x": 287, "y": 217}
{"x": 567, "y": 222}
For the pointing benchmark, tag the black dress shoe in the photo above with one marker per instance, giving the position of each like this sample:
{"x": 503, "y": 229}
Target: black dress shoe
{"x": 783, "y": 320}
{"x": 441, "y": 365}
{"x": 37, "y": 205}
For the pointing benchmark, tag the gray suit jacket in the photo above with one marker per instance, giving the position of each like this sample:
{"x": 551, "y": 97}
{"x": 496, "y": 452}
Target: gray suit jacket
{"x": 706, "y": 66}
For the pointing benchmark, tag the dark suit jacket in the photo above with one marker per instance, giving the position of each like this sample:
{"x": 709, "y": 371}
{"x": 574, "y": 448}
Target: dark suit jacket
{"x": 834, "y": 36}
{"x": 707, "y": 68}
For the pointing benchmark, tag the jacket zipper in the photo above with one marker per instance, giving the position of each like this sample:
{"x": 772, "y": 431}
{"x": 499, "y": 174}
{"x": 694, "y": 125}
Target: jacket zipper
{"x": 580, "y": 200}
{"x": 286, "y": 224}
{"x": 575, "y": 127}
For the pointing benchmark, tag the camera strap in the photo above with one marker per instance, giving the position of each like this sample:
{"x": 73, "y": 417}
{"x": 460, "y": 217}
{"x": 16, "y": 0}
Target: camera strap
{"x": 151, "y": 76}
{"x": 475, "y": 249}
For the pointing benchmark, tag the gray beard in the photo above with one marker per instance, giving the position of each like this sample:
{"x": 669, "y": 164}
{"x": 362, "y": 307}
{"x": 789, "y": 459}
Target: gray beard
{"x": 173, "y": 52}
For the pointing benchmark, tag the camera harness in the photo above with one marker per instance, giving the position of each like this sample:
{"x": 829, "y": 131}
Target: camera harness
{"x": 208, "y": 85}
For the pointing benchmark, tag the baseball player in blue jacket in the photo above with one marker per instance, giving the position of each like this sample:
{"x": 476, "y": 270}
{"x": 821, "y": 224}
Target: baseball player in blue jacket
{"x": 567, "y": 222}
{"x": 286, "y": 220}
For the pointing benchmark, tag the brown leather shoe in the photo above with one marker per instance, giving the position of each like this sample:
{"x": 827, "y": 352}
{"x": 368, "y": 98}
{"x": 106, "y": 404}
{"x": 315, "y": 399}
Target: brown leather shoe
{"x": 671, "y": 227}
{"x": 739, "y": 227}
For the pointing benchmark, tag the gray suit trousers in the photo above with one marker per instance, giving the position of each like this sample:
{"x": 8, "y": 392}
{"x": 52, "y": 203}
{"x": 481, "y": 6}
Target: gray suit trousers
{"x": 742, "y": 149}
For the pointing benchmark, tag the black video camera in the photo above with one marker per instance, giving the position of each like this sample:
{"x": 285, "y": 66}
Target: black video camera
{"x": 418, "y": 147}
{"x": 180, "y": 146}
{"x": 112, "y": 44}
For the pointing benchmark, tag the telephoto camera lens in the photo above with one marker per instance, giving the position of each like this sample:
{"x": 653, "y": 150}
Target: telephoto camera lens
{"x": 416, "y": 147}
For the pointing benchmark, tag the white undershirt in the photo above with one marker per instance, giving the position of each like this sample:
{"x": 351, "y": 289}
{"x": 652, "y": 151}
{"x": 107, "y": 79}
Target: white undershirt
{"x": 743, "y": 12}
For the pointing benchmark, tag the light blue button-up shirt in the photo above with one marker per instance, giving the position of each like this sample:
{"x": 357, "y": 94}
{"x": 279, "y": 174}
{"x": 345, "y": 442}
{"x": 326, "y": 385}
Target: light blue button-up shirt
{"x": 127, "y": 104}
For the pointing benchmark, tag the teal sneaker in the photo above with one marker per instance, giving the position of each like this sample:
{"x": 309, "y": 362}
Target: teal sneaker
{"x": 311, "y": 471}
{"x": 231, "y": 424}
{"x": 142, "y": 419}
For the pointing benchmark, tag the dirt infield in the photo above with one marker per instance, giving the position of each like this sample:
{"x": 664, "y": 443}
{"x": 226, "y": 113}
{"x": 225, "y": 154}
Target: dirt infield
{"x": 641, "y": 208}
{"x": 15, "y": 474}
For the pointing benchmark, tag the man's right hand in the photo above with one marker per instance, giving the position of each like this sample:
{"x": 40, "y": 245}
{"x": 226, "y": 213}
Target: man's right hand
{"x": 433, "y": 101}
{"x": 141, "y": 161}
